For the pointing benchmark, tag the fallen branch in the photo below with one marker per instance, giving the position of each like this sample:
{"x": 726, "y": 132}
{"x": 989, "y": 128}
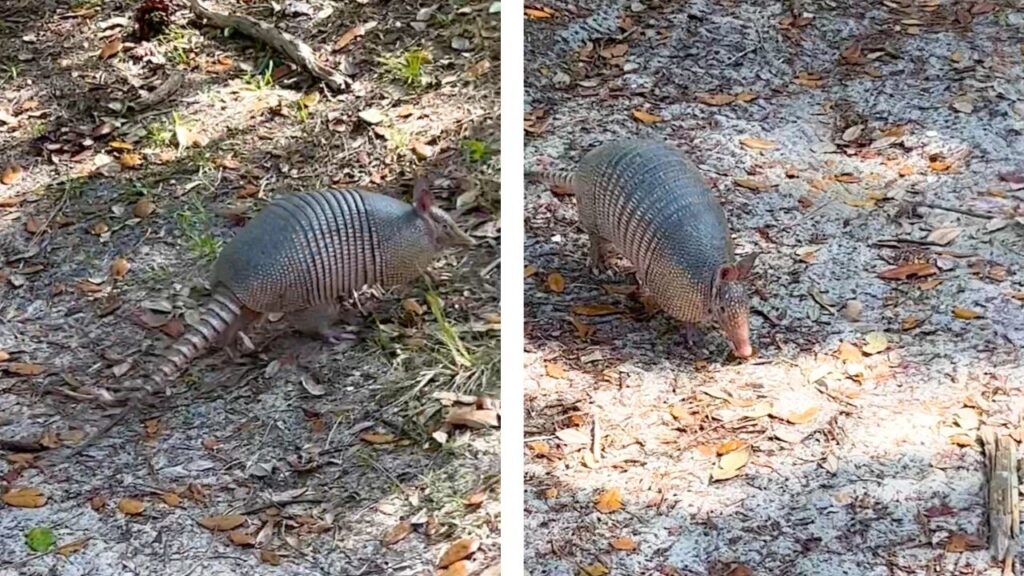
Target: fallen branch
{"x": 162, "y": 92}
{"x": 1003, "y": 497}
{"x": 281, "y": 41}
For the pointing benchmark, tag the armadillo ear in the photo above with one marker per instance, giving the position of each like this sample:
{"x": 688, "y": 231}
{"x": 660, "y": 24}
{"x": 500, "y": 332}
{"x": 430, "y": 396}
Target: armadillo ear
{"x": 728, "y": 273}
{"x": 422, "y": 199}
{"x": 745, "y": 264}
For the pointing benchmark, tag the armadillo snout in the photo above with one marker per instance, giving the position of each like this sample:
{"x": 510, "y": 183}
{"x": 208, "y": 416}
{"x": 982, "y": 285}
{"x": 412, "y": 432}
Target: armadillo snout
{"x": 733, "y": 315}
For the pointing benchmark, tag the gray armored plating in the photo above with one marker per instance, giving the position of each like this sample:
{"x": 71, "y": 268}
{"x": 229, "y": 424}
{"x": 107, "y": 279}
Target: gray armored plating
{"x": 305, "y": 252}
{"x": 653, "y": 205}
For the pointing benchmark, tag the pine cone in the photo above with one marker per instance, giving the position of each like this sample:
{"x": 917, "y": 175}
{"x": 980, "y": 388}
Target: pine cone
{"x": 152, "y": 18}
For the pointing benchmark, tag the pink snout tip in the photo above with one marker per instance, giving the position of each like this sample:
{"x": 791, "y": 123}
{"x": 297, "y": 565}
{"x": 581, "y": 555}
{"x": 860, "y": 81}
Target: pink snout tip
{"x": 743, "y": 350}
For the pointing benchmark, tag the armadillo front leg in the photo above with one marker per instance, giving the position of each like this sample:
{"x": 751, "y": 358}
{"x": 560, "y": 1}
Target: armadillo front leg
{"x": 596, "y": 255}
{"x": 317, "y": 321}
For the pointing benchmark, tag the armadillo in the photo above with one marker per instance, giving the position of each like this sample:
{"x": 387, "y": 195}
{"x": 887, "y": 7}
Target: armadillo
{"x": 653, "y": 206}
{"x": 301, "y": 255}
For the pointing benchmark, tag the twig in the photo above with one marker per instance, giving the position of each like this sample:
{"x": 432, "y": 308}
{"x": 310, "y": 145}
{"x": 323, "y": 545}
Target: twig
{"x": 164, "y": 91}
{"x": 595, "y": 447}
{"x": 281, "y": 41}
{"x": 963, "y": 211}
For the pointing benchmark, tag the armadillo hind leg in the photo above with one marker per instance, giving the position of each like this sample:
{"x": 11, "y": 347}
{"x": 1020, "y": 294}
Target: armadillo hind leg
{"x": 245, "y": 319}
{"x": 318, "y": 321}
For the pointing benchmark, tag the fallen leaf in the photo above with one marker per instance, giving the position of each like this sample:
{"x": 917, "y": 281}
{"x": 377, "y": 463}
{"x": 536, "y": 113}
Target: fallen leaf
{"x": 730, "y": 446}
{"x": 472, "y": 418}
{"x": 130, "y": 506}
{"x": 614, "y": 51}
{"x": 396, "y": 533}
{"x": 98, "y": 502}
{"x": 535, "y": 14}
{"x": 556, "y": 283}
{"x": 555, "y": 370}
{"x": 24, "y": 498}
{"x": 751, "y": 184}
{"x": 460, "y": 568}
{"x": 130, "y": 160}
{"x": 40, "y": 539}
{"x": 966, "y": 313}
{"x": 624, "y": 544}
{"x": 876, "y": 342}
{"x": 573, "y": 436}
{"x": 111, "y": 48}
{"x": 270, "y": 557}
{"x": 716, "y": 99}
{"x": 939, "y": 165}
{"x": 25, "y": 369}
{"x": 222, "y": 523}
{"x": 529, "y": 270}
{"x": 646, "y": 117}
{"x": 962, "y": 542}
{"x": 372, "y": 116}
{"x": 475, "y": 499}
{"x": 909, "y": 323}
{"x": 72, "y": 547}
{"x": 353, "y": 33}
{"x": 595, "y": 569}
{"x": 459, "y": 550}
{"x": 239, "y": 538}
{"x": 595, "y": 309}
{"x": 11, "y": 174}
{"x": 144, "y": 207}
{"x": 583, "y": 330}
{"x": 802, "y": 417}
{"x": 943, "y": 236}
{"x": 99, "y": 228}
{"x": 539, "y": 447}
{"x": 758, "y": 144}
{"x": 847, "y": 178}
{"x": 907, "y": 271}
{"x": 852, "y": 310}
{"x": 171, "y": 499}
{"x": 609, "y": 501}
{"x": 550, "y": 493}
{"x": 377, "y": 437}
{"x": 119, "y": 268}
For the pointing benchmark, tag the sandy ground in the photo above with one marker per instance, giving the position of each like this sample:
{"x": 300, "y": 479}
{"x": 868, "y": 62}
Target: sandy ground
{"x": 333, "y": 456}
{"x": 881, "y": 474}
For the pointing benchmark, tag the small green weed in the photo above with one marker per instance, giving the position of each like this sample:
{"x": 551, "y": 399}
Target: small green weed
{"x": 159, "y": 134}
{"x": 476, "y": 150}
{"x": 195, "y": 223}
{"x": 409, "y": 67}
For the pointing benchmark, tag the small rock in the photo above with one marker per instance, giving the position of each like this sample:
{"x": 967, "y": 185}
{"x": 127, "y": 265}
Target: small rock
{"x": 461, "y": 44}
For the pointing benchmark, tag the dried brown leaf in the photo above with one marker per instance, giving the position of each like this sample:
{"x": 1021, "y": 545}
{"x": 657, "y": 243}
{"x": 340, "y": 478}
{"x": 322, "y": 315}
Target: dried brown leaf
{"x": 222, "y": 523}
{"x": 758, "y": 144}
{"x": 624, "y": 544}
{"x": 459, "y": 550}
{"x": 556, "y": 283}
{"x": 609, "y": 501}
{"x": 646, "y": 117}
{"x": 130, "y": 506}
{"x": 24, "y": 498}
{"x": 11, "y": 174}
{"x": 907, "y": 271}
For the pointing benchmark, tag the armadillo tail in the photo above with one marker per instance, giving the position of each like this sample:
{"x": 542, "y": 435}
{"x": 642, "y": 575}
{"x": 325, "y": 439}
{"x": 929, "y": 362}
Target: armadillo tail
{"x": 561, "y": 178}
{"x": 222, "y": 310}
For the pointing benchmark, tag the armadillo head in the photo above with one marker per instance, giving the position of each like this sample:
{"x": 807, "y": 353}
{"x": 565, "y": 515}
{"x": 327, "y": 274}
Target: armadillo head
{"x": 442, "y": 229}
{"x": 730, "y": 305}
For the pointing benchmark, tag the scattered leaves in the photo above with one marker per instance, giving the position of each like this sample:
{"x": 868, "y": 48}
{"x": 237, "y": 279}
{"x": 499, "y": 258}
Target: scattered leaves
{"x": 751, "y": 184}
{"x": 11, "y": 174}
{"x": 646, "y": 117}
{"x": 396, "y": 533}
{"x": 119, "y": 268}
{"x": 25, "y": 498}
{"x": 556, "y": 283}
{"x": 758, "y": 144}
{"x": 624, "y": 544}
{"x": 716, "y": 99}
{"x": 908, "y": 271}
{"x": 239, "y": 538}
{"x": 609, "y": 501}
{"x": 459, "y": 550}
{"x": 110, "y": 48}
{"x": 876, "y": 342}
{"x": 25, "y": 369}
{"x": 40, "y": 539}
{"x": 555, "y": 370}
{"x": 222, "y": 523}
{"x": 377, "y": 437}
{"x": 966, "y": 313}
{"x": 130, "y": 506}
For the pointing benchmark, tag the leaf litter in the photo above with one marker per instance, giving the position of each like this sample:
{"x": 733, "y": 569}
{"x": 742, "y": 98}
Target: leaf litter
{"x": 864, "y": 199}
{"x": 110, "y": 209}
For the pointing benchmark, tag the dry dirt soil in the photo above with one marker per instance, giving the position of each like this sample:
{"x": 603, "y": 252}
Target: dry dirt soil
{"x": 872, "y": 152}
{"x": 331, "y": 459}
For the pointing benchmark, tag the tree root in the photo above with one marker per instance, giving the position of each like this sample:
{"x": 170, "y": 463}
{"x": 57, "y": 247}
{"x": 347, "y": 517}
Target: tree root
{"x": 281, "y": 41}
